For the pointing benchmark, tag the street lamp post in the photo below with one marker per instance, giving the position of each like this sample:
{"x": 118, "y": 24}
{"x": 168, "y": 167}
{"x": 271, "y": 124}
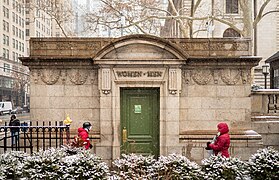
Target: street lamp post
{"x": 265, "y": 72}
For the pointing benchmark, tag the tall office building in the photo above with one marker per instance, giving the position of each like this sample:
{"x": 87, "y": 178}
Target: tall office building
{"x": 13, "y": 76}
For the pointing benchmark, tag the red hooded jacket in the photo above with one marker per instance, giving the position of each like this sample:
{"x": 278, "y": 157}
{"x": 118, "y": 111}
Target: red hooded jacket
{"x": 83, "y": 134}
{"x": 222, "y": 143}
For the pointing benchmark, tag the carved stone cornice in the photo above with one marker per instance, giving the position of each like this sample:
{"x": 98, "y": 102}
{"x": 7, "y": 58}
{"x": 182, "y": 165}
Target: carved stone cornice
{"x": 211, "y": 76}
{"x": 52, "y": 76}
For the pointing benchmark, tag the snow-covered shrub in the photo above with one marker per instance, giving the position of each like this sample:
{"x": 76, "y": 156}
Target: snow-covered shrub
{"x": 64, "y": 163}
{"x": 83, "y": 165}
{"x": 176, "y": 167}
{"x": 133, "y": 166}
{"x": 9, "y": 164}
{"x": 221, "y": 168}
{"x": 264, "y": 164}
{"x": 43, "y": 164}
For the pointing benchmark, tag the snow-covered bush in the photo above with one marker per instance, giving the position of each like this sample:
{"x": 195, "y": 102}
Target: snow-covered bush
{"x": 64, "y": 163}
{"x": 133, "y": 166}
{"x": 264, "y": 164}
{"x": 146, "y": 167}
{"x": 176, "y": 167}
{"x": 43, "y": 164}
{"x": 10, "y": 163}
{"x": 221, "y": 168}
{"x": 83, "y": 165}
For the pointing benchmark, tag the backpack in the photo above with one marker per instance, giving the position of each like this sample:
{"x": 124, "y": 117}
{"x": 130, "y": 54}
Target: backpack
{"x": 77, "y": 142}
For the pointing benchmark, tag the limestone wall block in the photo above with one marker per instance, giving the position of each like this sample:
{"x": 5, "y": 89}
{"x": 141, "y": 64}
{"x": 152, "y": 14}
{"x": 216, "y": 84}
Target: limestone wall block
{"x": 201, "y": 114}
{"x": 202, "y": 91}
{"x": 184, "y": 102}
{"x": 55, "y": 90}
{"x": 216, "y": 103}
{"x": 87, "y": 102}
{"x": 106, "y": 114}
{"x": 194, "y": 102}
{"x": 71, "y": 90}
{"x": 198, "y": 125}
{"x": 172, "y": 114}
{"x": 40, "y": 102}
{"x": 85, "y": 90}
{"x": 241, "y": 103}
{"x": 172, "y": 140}
{"x": 230, "y": 91}
{"x": 38, "y": 90}
{"x": 63, "y": 102}
{"x": 172, "y": 128}
{"x": 230, "y": 114}
{"x": 106, "y": 128}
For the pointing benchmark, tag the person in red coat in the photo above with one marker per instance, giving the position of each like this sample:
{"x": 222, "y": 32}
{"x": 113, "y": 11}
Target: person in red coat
{"x": 83, "y": 134}
{"x": 222, "y": 142}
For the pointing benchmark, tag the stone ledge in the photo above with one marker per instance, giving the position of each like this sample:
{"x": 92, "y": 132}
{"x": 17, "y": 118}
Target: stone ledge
{"x": 208, "y": 135}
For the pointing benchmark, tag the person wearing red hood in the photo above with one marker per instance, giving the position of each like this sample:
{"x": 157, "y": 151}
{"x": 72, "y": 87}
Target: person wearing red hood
{"x": 83, "y": 134}
{"x": 222, "y": 143}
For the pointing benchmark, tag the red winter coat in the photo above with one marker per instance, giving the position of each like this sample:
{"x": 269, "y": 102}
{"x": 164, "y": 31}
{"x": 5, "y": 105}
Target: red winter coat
{"x": 83, "y": 134}
{"x": 222, "y": 142}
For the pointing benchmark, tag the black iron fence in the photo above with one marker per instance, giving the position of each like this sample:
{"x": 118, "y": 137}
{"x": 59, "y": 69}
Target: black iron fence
{"x": 30, "y": 137}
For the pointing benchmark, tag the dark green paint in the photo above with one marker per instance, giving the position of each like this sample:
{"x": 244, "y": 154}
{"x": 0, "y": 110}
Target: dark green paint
{"x": 140, "y": 116}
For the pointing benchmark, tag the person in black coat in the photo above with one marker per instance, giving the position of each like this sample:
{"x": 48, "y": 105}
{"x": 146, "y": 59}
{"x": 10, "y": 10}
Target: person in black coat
{"x": 14, "y": 130}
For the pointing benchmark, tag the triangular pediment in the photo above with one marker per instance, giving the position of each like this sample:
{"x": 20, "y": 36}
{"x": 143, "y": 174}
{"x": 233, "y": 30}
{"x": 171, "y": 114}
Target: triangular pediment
{"x": 140, "y": 47}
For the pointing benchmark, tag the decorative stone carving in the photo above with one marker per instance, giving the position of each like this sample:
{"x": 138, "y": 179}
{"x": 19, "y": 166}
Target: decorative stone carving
{"x": 202, "y": 76}
{"x": 35, "y": 73}
{"x": 106, "y": 81}
{"x": 246, "y": 76}
{"x": 78, "y": 76}
{"x": 230, "y": 76}
{"x": 186, "y": 76}
{"x": 63, "y": 76}
{"x": 50, "y": 76}
{"x": 173, "y": 81}
{"x": 93, "y": 76}
{"x": 216, "y": 76}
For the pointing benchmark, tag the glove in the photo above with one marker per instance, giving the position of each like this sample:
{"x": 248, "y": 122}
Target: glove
{"x": 90, "y": 146}
{"x": 207, "y": 146}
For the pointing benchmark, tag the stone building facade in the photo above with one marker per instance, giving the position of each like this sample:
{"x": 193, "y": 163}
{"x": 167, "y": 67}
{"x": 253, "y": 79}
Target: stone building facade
{"x": 145, "y": 94}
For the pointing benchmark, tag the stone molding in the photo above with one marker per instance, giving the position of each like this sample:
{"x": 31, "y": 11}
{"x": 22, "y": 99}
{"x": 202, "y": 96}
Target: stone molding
{"x": 93, "y": 47}
{"x": 52, "y": 76}
{"x": 208, "y": 76}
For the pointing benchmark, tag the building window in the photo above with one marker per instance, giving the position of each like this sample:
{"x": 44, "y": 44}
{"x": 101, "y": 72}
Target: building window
{"x": 27, "y": 32}
{"x": 232, "y": 6}
{"x": 276, "y": 78}
{"x": 230, "y": 32}
{"x": 6, "y": 67}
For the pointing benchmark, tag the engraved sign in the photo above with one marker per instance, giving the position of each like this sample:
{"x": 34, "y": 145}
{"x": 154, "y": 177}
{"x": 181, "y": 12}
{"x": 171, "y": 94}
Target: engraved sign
{"x": 137, "y": 109}
{"x": 144, "y": 74}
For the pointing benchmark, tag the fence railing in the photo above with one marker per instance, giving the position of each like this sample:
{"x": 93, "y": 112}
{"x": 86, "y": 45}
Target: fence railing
{"x": 265, "y": 102}
{"x": 30, "y": 137}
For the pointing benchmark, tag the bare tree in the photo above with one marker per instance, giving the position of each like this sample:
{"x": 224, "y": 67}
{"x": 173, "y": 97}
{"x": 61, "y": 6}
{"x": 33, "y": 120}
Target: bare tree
{"x": 56, "y": 10}
{"x": 146, "y": 16}
{"x": 20, "y": 84}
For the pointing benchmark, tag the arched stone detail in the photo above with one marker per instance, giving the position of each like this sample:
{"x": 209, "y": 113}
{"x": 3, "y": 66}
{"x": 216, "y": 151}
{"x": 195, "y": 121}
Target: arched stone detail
{"x": 50, "y": 76}
{"x": 165, "y": 49}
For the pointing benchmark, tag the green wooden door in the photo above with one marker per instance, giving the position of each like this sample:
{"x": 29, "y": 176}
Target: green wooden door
{"x": 140, "y": 121}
